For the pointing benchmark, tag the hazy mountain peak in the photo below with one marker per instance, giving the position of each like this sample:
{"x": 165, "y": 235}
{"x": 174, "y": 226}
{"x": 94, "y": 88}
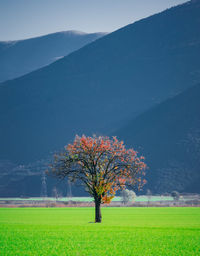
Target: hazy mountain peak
{"x": 75, "y": 32}
{"x": 23, "y": 56}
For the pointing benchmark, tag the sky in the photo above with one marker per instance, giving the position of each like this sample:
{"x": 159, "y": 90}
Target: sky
{"x": 20, "y": 19}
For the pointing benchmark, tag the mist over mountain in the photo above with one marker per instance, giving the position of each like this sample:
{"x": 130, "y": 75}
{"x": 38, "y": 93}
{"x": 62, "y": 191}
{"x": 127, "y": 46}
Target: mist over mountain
{"x": 169, "y": 136}
{"x": 23, "y": 56}
{"x": 99, "y": 87}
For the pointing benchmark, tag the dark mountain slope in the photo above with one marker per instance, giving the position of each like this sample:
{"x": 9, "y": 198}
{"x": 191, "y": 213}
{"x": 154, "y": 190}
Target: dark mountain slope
{"x": 26, "y": 180}
{"x": 101, "y": 85}
{"x": 169, "y": 137}
{"x": 23, "y": 56}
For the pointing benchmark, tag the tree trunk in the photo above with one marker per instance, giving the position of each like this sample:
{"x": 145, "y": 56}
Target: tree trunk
{"x": 97, "y": 211}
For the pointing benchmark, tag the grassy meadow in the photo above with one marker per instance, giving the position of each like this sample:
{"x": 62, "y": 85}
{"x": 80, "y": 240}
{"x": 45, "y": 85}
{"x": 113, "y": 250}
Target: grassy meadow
{"x": 124, "y": 231}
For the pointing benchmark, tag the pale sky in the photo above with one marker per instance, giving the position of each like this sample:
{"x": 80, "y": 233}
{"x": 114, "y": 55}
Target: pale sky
{"x": 21, "y": 19}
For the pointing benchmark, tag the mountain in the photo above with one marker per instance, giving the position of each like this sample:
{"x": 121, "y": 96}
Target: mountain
{"x": 169, "y": 136}
{"x": 102, "y": 85}
{"x": 30, "y": 180}
{"x": 23, "y": 56}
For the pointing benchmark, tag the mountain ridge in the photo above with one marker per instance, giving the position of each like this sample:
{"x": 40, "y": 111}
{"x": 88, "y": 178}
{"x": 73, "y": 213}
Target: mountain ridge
{"x": 169, "y": 136}
{"x": 102, "y": 77}
{"x": 113, "y": 79}
{"x": 20, "y": 57}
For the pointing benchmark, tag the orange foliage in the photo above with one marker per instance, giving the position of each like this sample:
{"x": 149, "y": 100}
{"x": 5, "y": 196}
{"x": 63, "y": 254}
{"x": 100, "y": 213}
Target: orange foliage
{"x": 106, "y": 165}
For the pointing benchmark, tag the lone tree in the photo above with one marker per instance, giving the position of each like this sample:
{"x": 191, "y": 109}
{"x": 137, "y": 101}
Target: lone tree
{"x": 127, "y": 196}
{"x": 103, "y": 165}
{"x": 175, "y": 195}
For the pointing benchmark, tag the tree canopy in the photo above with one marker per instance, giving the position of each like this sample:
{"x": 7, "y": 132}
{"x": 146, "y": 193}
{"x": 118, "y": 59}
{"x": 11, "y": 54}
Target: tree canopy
{"x": 103, "y": 165}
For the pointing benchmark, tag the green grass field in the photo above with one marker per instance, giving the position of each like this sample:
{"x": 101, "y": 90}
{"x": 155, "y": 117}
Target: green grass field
{"x": 124, "y": 231}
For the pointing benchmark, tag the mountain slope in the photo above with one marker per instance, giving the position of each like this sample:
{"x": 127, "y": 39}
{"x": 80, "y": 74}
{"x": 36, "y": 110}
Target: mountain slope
{"x": 101, "y": 85}
{"x": 169, "y": 136}
{"x": 23, "y": 56}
